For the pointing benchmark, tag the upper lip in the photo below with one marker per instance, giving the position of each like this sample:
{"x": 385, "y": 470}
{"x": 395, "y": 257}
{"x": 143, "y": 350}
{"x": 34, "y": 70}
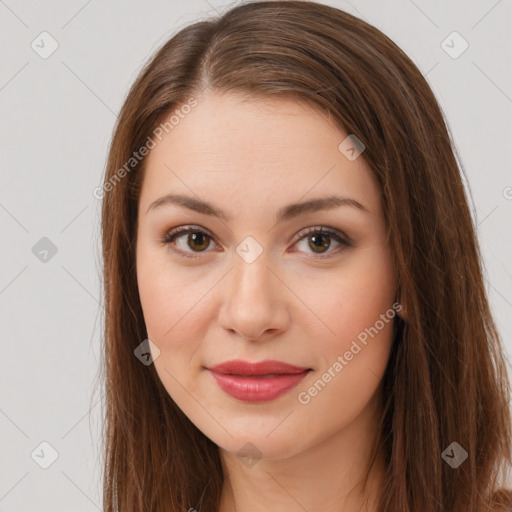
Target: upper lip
{"x": 241, "y": 367}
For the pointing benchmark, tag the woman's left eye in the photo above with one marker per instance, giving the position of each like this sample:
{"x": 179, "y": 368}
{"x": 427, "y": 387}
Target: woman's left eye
{"x": 317, "y": 238}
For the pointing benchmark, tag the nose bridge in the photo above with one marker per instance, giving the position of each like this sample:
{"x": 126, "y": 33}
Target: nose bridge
{"x": 251, "y": 277}
{"x": 254, "y": 302}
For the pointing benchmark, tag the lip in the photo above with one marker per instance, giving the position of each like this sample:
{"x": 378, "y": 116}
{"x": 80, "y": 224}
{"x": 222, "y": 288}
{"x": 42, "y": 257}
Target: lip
{"x": 257, "y": 382}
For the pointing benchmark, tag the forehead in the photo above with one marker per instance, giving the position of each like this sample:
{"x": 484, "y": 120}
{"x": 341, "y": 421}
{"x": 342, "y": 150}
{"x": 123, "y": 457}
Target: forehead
{"x": 255, "y": 148}
{"x": 228, "y": 126}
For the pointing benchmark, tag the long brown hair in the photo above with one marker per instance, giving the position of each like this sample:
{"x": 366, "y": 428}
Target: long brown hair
{"x": 446, "y": 379}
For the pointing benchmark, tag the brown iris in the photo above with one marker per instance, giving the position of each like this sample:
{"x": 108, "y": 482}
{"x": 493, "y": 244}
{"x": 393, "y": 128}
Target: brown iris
{"x": 201, "y": 239}
{"x": 319, "y": 241}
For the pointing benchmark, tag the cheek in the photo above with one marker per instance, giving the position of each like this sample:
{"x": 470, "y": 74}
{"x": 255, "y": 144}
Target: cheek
{"x": 171, "y": 324}
{"x": 356, "y": 305}
{"x": 353, "y": 298}
{"x": 173, "y": 305}
{"x": 166, "y": 297}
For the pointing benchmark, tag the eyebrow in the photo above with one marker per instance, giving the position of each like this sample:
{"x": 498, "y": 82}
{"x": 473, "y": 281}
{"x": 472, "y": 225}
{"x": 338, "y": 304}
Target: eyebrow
{"x": 286, "y": 213}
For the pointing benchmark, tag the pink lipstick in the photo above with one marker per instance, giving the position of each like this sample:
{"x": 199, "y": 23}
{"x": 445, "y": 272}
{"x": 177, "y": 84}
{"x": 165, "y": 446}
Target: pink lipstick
{"x": 257, "y": 382}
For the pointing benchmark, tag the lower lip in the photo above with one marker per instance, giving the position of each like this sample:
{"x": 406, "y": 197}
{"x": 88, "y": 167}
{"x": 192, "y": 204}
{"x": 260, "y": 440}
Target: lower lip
{"x": 257, "y": 389}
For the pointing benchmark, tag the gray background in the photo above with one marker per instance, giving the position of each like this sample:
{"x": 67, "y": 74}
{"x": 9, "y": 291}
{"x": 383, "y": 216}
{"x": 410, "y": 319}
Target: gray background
{"x": 57, "y": 116}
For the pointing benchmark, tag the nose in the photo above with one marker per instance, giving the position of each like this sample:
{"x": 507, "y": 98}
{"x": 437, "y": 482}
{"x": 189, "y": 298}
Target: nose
{"x": 255, "y": 305}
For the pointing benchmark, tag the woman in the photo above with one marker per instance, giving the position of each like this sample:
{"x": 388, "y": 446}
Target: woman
{"x": 295, "y": 310}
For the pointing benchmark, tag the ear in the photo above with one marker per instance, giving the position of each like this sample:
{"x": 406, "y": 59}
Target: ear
{"x": 400, "y": 308}
{"x": 400, "y": 311}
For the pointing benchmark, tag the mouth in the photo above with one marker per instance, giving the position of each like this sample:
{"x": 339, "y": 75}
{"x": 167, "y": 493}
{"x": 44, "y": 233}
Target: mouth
{"x": 257, "y": 382}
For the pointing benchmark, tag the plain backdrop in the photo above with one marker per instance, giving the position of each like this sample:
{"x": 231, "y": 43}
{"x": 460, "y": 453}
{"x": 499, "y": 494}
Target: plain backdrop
{"x": 57, "y": 113}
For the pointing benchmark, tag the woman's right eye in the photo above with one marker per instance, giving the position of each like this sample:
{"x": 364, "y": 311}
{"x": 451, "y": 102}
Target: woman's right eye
{"x": 196, "y": 237}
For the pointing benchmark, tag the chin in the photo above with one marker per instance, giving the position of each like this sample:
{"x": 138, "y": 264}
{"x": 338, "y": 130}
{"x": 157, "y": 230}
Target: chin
{"x": 259, "y": 445}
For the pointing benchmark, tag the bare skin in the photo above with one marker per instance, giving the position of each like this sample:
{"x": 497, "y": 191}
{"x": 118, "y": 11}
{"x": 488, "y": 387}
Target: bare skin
{"x": 292, "y": 304}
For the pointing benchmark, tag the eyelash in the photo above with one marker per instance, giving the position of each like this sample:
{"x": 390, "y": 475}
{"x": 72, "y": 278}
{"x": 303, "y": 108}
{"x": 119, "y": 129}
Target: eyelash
{"x": 314, "y": 230}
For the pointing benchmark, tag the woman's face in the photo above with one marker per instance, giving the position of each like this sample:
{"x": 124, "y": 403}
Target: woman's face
{"x": 250, "y": 283}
